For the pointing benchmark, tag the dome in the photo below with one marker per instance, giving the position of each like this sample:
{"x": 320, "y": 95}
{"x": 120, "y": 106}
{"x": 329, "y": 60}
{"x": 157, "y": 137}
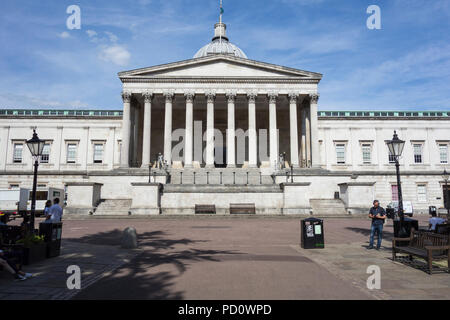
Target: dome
{"x": 220, "y": 44}
{"x": 220, "y": 47}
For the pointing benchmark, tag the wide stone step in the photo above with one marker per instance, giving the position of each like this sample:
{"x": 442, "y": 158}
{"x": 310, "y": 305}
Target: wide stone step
{"x": 328, "y": 207}
{"x": 113, "y": 207}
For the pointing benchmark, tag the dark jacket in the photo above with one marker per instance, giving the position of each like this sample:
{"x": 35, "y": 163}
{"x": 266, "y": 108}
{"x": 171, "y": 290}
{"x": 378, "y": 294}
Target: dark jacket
{"x": 377, "y": 211}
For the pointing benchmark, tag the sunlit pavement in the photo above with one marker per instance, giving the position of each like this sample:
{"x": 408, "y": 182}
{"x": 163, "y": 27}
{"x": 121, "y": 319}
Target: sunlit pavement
{"x": 224, "y": 258}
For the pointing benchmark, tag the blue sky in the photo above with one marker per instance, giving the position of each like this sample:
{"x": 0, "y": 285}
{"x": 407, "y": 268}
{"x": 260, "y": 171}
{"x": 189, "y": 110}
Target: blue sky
{"x": 403, "y": 66}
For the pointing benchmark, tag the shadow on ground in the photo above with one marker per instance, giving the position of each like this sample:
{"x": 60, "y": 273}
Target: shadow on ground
{"x": 142, "y": 277}
{"x": 387, "y": 234}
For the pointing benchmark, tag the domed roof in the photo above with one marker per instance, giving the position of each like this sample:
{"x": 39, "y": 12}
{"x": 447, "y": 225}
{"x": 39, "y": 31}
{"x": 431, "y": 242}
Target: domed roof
{"x": 220, "y": 44}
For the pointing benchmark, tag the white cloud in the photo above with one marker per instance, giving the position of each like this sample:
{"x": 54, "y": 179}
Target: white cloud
{"x": 115, "y": 54}
{"x": 91, "y": 33}
{"x": 112, "y": 37}
{"x": 64, "y": 35}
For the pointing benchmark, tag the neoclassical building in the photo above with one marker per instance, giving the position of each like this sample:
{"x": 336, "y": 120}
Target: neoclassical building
{"x": 226, "y": 132}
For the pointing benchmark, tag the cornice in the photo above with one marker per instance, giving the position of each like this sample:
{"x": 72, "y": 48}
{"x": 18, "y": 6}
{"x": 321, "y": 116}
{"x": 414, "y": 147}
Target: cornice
{"x": 290, "y": 80}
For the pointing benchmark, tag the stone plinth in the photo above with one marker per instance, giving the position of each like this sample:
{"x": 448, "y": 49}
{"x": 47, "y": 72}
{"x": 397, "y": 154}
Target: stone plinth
{"x": 146, "y": 198}
{"x": 296, "y": 198}
{"x": 357, "y": 196}
{"x": 82, "y": 197}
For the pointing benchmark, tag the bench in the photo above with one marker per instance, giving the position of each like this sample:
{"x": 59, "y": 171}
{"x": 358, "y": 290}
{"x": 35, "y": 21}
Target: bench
{"x": 205, "y": 209}
{"x": 242, "y": 208}
{"x": 427, "y": 245}
{"x": 442, "y": 228}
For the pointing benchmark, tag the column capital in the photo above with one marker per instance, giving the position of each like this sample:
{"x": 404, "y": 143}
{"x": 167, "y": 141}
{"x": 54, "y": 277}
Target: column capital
{"x": 314, "y": 97}
{"x": 126, "y": 96}
{"x": 252, "y": 96}
{"x": 148, "y": 95}
{"x": 231, "y": 96}
{"x": 169, "y": 94}
{"x": 272, "y": 96}
{"x": 293, "y": 97}
{"x": 190, "y": 96}
{"x": 210, "y": 96}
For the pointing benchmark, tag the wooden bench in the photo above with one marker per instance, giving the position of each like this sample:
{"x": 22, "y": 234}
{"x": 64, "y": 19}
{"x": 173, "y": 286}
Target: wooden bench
{"x": 242, "y": 208}
{"x": 205, "y": 209}
{"x": 442, "y": 228}
{"x": 427, "y": 245}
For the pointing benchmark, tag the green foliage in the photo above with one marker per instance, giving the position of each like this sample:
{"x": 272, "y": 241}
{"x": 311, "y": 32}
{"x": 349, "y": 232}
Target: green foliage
{"x": 30, "y": 240}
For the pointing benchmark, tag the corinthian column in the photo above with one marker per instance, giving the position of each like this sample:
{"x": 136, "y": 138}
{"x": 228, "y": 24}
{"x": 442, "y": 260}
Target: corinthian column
{"x": 210, "y": 97}
{"x": 126, "y": 132}
{"x": 293, "y": 129}
{"x": 146, "y": 140}
{"x": 252, "y": 146}
{"x": 314, "y": 130}
{"x": 168, "y": 128}
{"x": 189, "y": 142}
{"x": 273, "y": 132}
{"x": 231, "y": 131}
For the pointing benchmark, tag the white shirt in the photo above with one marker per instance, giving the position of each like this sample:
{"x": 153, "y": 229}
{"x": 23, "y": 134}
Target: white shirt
{"x": 55, "y": 212}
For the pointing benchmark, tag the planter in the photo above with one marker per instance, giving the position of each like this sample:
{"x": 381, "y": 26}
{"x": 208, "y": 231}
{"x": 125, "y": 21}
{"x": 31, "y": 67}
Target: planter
{"x": 35, "y": 253}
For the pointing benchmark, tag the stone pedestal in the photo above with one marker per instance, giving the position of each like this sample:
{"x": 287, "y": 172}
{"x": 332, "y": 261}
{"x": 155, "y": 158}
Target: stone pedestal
{"x": 357, "y": 196}
{"x": 82, "y": 197}
{"x": 146, "y": 198}
{"x": 296, "y": 198}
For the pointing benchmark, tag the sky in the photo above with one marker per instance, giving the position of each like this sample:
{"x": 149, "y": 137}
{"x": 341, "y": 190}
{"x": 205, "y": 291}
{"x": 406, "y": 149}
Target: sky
{"x": 405, "y": 65}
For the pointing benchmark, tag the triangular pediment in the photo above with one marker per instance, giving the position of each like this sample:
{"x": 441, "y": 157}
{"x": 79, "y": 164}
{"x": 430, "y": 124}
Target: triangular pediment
{"x": 219, "y": 66}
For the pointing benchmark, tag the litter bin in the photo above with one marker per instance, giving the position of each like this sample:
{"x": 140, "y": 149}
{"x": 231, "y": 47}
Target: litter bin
{"x": 52, "y": 237}
{"x": 312, "y": 236}
{"x": 408, "y": 224}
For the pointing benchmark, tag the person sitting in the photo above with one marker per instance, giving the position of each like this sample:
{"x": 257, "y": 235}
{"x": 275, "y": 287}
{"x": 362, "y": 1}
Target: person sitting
{"x": 434, "y": 220}
{"x": 6, "y": 262}
{"x": 3, "y": 219}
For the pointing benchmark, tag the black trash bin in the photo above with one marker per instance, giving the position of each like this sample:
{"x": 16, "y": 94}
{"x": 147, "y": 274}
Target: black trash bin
{"x": 312, "y": 236}
{"x": 408, "y": 224}
{"x": 52, "y": 236}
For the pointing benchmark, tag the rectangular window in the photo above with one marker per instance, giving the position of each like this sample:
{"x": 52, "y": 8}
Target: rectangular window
{"x": 98, "y": 153}
{"x": 417, "y": 153}
{"x": 367, "y": 153}
{"x": 422, "y": 192}
{"x": 45, "y": 157}
{"x": 443, "y": 153}
{"x": 391, "y": 157}
{"x": 14, "y": 186}
{"x": 18, "y": 152}
{"x": 340, "y": 153}
{"x": 394, "y": 191}
{"x": 71, "y": 153}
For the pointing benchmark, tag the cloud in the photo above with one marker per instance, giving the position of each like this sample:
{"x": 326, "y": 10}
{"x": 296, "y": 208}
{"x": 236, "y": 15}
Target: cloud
{"x": 116, "y": 54}
{"x": 64, "y": 35}
{"x": 112, "y": 37}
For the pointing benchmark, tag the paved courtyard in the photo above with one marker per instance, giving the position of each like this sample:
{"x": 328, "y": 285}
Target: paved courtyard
{"x": 223, "y": 258}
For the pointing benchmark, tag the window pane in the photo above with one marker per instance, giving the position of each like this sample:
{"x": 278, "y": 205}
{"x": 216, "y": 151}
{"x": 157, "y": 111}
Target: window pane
{"x": 417, "y": 153}
{"x": 340, "y": 153}
{"x": 443, "y": 153}
{"x": 45, "y": 154}
{"x": 391, "y": 157}
{"x": 367, "y": 153}
{"x": 18, "y": 151}
{"x": 98, "y": 153}
{"x": 394, "y": 192}
{"x": 71, "y": 153}
{"x": 422, "y": 193}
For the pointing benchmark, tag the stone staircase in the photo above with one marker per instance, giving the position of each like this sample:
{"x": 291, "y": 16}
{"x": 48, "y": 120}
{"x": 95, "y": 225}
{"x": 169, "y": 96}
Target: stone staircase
{"x": 217, "y": 176}
{"x": 328, "y": 207}
{"x": 113, "y": 207}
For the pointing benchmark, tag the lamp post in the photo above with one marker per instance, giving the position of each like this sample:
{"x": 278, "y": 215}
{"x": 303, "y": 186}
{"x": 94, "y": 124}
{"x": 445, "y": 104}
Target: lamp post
{"x": 36, "y": 147}
{"x": 445, "y": 176}
{"x": 396, "y": 148}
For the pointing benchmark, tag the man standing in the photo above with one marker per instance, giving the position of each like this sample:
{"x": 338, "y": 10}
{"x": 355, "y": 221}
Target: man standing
{"x": 55, "y": 212}
{"x": 378, "y": 215}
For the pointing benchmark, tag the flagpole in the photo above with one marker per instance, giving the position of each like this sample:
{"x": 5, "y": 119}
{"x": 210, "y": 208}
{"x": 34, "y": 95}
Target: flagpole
{"x": 220, "y": 22}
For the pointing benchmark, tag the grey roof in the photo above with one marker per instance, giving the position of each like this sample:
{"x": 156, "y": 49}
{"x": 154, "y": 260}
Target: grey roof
{"x": 220, "y": 46}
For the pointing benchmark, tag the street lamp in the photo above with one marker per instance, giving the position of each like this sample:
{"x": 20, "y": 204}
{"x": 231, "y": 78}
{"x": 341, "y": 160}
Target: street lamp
{"x": 36, "y": 147}
{"x": 445, "y": 176}
{"x": 396, "y": 148}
